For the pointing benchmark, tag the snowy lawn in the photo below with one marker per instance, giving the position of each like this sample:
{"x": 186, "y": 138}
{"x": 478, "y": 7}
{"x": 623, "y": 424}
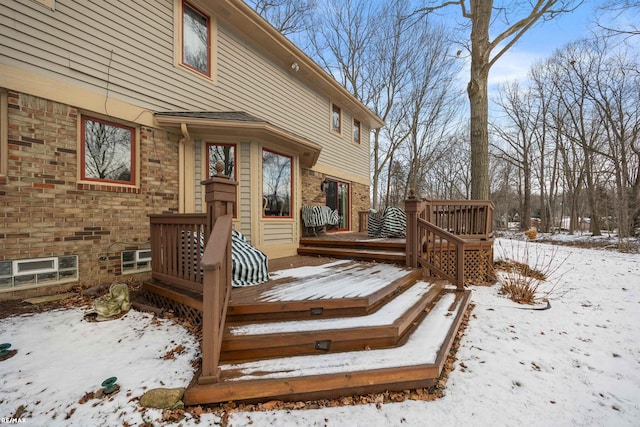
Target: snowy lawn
{"x": 577, "y": 363}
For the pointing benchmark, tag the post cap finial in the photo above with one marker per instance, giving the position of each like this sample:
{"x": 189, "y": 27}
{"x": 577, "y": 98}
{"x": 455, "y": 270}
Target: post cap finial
{"x": 219, "y": 168}
{"x": 412, "y": 193}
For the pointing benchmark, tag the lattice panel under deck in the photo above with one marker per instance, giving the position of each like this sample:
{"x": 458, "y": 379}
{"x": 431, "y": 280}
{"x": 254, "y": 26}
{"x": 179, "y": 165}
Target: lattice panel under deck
{"x": 180, "y": 310}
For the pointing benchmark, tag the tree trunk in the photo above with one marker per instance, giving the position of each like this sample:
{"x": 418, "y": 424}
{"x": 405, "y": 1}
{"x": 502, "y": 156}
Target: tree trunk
{"x": 477, "y": 90}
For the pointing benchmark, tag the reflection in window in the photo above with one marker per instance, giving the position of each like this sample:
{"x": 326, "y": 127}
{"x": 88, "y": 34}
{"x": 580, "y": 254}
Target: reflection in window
{"x": 276, "y": 184}
{"x": 107, "y": 151}
{"x": 225, "y": 153}
{"x": 195, "y": 39}
{"x": 336, "y": 119}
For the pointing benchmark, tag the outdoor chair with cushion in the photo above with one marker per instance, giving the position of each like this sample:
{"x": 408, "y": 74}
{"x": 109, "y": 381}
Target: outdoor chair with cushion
{"x": 316, "y": 218}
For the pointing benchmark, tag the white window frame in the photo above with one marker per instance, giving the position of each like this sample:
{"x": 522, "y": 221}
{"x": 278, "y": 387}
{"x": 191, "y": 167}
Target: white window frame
{"x": 61, "y": 274}
{"x": 137, "y": 260}
{"x": 17, "y": 263}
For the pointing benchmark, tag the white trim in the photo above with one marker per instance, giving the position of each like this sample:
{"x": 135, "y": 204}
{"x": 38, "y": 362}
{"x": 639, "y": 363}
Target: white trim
{"x": 18, "y": 263}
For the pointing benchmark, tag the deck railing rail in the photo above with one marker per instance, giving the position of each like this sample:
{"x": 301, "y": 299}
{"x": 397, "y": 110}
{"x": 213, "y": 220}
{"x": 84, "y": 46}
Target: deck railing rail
{"x": 176, "y": 249}
{"x": 216, "y": 264}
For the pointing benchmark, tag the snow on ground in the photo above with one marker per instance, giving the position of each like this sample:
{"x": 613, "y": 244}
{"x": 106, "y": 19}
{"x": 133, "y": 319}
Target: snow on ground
{"x": 577, "y": 363}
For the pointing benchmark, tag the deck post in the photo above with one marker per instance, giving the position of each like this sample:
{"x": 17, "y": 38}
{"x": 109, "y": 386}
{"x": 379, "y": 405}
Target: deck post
{"x": 411, "y": 207}
{"x": 220, "y": 197}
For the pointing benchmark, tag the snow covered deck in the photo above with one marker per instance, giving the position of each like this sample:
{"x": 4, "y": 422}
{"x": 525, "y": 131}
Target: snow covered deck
{"x": 316, "y": 331}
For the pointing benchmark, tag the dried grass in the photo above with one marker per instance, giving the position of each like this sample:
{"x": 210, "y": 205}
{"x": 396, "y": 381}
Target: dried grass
{"x": 523, "y": 272}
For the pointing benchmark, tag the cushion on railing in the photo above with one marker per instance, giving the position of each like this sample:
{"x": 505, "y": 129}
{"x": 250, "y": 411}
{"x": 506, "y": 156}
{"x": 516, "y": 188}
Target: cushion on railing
{"x": 390, "y": 223}
{"x": 249, "y": 265}
{"x": 318, "y": 216}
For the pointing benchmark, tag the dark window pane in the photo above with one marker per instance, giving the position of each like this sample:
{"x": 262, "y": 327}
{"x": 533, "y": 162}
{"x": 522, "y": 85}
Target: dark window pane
{"x": 195, "y": 40}
{"x": 107, "y": 151}
{"x": 276, "y": 184}
{"x": 225, "y": 154}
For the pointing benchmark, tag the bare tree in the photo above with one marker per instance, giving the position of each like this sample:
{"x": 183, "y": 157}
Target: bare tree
{"x": 623, "y": 12}
{"x": 287, "y": 16}
{"x": 509, "y": 21}
{"x": 515, "y": 133}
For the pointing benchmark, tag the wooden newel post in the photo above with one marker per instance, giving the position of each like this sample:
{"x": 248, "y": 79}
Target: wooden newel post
{"x": 219, "y": 195}
{"x": 411, "y": 207}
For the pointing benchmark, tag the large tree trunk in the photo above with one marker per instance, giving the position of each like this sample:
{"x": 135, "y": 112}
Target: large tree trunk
{"x": 478, "y": 98}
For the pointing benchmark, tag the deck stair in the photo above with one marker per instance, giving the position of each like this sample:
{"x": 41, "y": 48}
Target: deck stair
{"x": 417, "y": 362}
{"x": 339, "y": 320}
{"x": 335, "y": 328}
{"x": 360, "y": 247}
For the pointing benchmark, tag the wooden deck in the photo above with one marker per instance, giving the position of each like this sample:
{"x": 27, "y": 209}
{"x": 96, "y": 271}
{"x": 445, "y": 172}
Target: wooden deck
{"x": 377, "y": 319}
{"x": 324, "y": 327}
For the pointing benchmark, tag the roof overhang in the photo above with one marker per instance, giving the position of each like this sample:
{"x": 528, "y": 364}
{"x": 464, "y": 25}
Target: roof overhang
{"x": 241, "y": 129}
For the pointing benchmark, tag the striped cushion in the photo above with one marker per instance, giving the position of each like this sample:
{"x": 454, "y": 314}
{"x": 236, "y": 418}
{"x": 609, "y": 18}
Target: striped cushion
{"x": 318, "y": 216}
{"x": 374, "y": 223}
{"x": 390, "y": 223}
{"x": 249, "y": 265}
{"x": 394, "y": 223}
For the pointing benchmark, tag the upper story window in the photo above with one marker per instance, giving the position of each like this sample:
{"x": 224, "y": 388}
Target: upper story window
{"x": 336, "y": 118}
{"x": 356, "y": 131}
{"x": 276, "y": 184}
{"x": 196, "y": 39}
{"x": 107, "y": 152}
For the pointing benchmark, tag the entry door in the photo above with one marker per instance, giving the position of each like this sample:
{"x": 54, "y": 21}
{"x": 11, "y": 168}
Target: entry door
{"x": 338, "y": 198}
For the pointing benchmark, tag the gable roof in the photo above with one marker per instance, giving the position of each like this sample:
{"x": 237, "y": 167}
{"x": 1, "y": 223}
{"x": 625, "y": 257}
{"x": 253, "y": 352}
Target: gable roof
{"x": 253, "y": 27}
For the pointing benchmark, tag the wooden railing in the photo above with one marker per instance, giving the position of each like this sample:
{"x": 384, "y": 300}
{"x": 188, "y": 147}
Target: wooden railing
{"x": 440, "y": 252}
{"x": 437, "y": 231}
{"x": 177, "y": 249}
{"x": 363, "y": 221}
{"x": 216, "y": 263}
{"x": 467, "y": 219}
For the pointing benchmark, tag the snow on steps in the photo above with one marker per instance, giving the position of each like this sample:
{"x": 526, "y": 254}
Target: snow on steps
{"x": 416, "y": 363}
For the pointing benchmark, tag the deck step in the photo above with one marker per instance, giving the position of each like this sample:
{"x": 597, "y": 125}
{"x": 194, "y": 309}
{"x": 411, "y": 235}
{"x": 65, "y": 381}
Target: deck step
{"x": 354, "y": 253}
{"x": 355, "y": 247}
{"x": 357, "y": 243}
{"x": 320, "y": 292}
{"x": 385, "y": 327}
{"x": 416, "y": 363}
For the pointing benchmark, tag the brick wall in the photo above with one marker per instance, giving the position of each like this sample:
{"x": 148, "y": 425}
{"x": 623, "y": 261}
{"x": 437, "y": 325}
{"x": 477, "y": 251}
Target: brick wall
{"x": 360, "y": 201}
{"x": 46, "y": 212}
{"x": 312, "y": 195}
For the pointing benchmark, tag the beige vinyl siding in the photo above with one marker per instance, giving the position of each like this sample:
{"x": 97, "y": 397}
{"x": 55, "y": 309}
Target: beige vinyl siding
{"x": 243, "y": 157}
{"x": 124, "y": 50}
{"x": 199, "y": 147}
{"x": 251, "y": 81}
{"x": 277, "y": 233}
